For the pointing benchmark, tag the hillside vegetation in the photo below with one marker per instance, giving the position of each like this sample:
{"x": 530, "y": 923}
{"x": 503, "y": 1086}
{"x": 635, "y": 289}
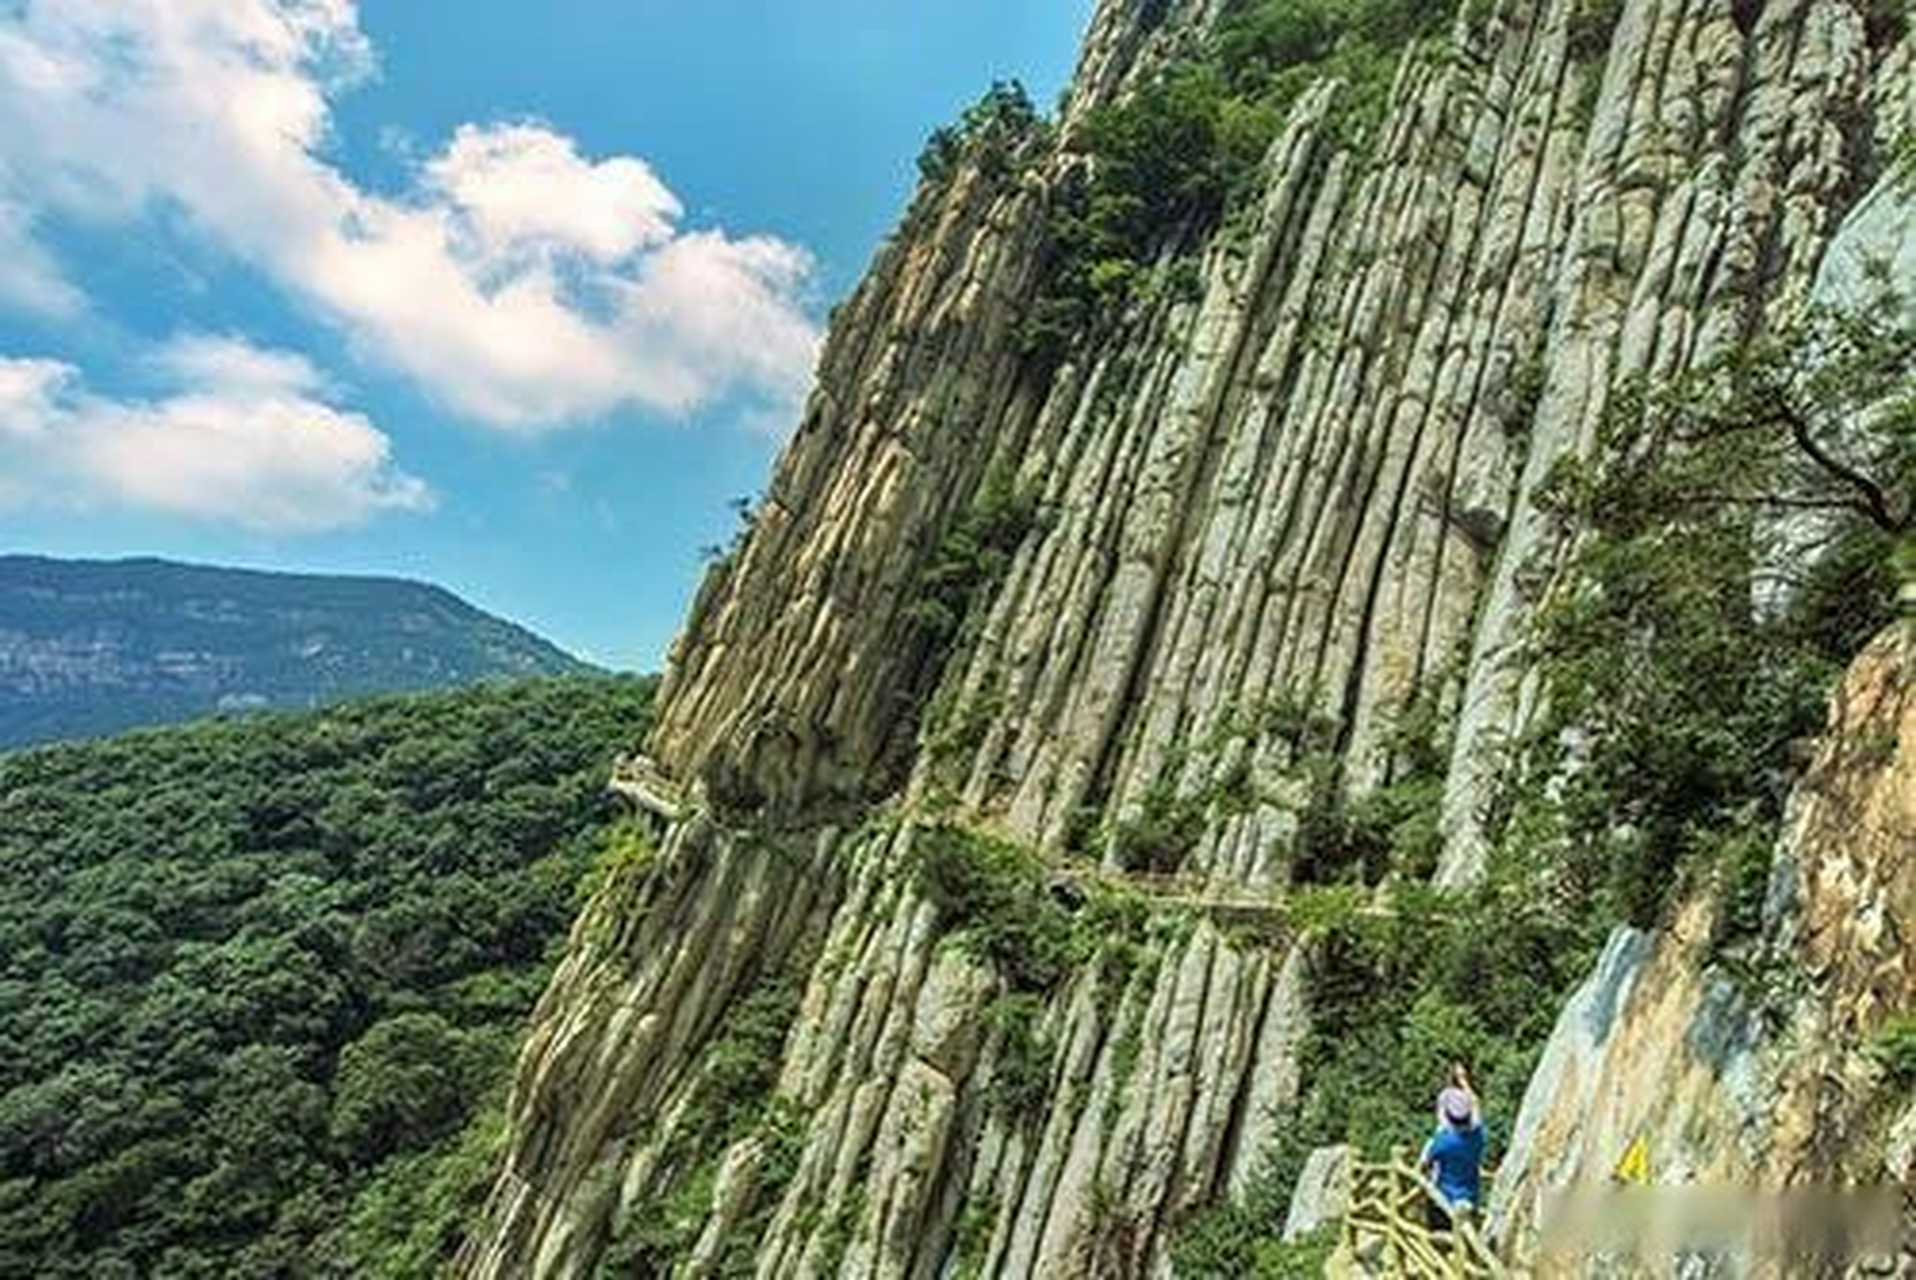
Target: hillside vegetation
{"x": 259, "y": 981}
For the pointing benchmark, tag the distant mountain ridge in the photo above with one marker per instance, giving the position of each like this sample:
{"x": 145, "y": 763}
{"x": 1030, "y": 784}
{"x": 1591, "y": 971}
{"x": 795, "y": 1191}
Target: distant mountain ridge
{"x": 90, "y": 647}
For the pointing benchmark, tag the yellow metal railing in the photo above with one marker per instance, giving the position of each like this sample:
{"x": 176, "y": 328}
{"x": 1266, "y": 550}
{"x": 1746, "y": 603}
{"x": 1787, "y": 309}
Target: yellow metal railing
{"x": 1387, "y": 1229}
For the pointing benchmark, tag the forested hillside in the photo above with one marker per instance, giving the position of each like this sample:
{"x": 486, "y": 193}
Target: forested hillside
{"x": 95, "y": 647}
{"x": 259, "y": 980}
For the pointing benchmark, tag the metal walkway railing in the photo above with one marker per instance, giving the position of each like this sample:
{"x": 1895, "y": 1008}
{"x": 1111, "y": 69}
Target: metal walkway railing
{"x": 1387, "y": 1229}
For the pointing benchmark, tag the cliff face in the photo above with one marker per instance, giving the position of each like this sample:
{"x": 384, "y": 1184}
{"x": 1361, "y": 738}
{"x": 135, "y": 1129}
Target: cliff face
{"x": 1291, "y": 479}
{"x": 1764, "y": 1078}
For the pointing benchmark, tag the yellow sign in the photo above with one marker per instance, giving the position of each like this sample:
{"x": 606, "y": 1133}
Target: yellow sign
{"x": 1634, "y": 1168}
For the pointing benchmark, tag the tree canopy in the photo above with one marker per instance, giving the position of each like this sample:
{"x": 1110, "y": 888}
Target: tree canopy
{"x": 258, "y": 977}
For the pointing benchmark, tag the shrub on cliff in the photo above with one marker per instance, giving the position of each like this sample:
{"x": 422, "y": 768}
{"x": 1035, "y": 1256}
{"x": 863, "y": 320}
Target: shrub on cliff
{"x": 990, "y": 132}
{"x": 1735, "y": 543}
{"x": 973, "y": 555}
{"x": 1167, "y": 161}
{"x": 991, "y": 894}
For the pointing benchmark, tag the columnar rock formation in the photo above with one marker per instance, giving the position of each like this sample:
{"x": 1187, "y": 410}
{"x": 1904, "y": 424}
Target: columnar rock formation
{"x": 1291, "y": 478}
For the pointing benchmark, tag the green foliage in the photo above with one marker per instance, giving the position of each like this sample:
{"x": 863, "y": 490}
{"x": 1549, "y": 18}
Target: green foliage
{"x": 1407, "y": 814}
{"x": 993, "y": 898}
{"x": 406, "y": 1221}
{"x": 1295, "y": 719}
{"x": 1338, "y": 841}
{"x": 1021, "y": 1081}
{"x": 1163, "y": 159}
{"x": 991, "y": 895}
{"x": 1171, "y": 158}
{"x": 1272, "y": 50}
{"x": 836, "y": 1238}
{"x": 405, "y": 1084}
{"x": 1895, "y": 1047}
{"x": 1152, "y": 13}
{"x": 973, "y": 556}
{"x": 1742, "y": 856}
{"x": 1391, "y": 830}
{"x": 255, "y": 976}
{"x": 953, "y": 730}
{"x": 625, "y": 855}
{"x": 1165, "y": 829}
{"x": 1848, "y": 596}
{"x": 1239, "y": 1240}
{"x": 1675, "y": 697}
{"x": 971, "y": 1237}
{"x": 1522, "y": 397}
{"x": 991, "y": 131}
{"x": 781, "y": 1135}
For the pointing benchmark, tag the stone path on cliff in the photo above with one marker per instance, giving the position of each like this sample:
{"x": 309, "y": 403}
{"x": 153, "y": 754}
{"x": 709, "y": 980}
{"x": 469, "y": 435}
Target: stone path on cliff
{"x": 639, "y": 780}
{"x": 651, "y": 791}
{"x": 1270, "y": 909}
{"x": 1242, "y": 906}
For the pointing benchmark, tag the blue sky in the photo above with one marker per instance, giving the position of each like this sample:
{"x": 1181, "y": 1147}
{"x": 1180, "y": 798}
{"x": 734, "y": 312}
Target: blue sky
{"x": 510, "y": 298}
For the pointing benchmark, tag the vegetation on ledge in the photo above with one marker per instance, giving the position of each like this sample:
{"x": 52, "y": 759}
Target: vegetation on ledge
{"x": 1166, "y": 162}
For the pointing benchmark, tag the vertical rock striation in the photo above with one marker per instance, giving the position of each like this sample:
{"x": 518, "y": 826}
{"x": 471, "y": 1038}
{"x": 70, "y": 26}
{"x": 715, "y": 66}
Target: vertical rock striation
{"x": 1290, "y": 479}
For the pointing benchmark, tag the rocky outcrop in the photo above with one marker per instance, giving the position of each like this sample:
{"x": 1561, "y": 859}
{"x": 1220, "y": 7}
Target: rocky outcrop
{"x": 1758, "y": 1074}
{"x": 654, "y": 968}
{"x": 1286, "y": 486}
{"x": 1323, "y": 1192}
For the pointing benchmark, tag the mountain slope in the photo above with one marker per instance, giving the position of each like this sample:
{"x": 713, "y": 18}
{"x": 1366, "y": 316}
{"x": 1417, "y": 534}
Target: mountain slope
{"x": 92, "y": 647}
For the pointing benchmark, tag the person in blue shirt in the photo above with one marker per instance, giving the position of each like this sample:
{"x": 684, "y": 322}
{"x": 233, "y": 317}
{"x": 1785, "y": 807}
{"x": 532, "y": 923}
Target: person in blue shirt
{"x": 1454, "y": 1156}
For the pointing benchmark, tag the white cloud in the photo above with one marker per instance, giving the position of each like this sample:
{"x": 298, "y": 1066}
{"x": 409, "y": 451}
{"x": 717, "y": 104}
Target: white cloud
{"x": 29, "y": 277}
{"x": 520, "y": 191}
{"x": 199, "y": 359}
{"x": 242, "y": 442}
{"x": 27, "y": 391}
{"x": 518, "y": 280}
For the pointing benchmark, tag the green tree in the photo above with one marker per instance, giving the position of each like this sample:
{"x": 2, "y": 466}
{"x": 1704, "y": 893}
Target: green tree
{"x": 253, "y": 971}
{"x": 1736, "y": 535}
{"x": 402, "y": 1085}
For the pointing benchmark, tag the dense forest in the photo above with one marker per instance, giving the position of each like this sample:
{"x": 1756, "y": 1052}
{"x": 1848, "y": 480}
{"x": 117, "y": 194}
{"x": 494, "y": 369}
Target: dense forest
{"x": 260, "y": 980}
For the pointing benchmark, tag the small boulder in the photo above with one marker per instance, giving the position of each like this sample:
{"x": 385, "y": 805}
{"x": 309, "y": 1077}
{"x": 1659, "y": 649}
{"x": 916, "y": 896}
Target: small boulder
{"x": 1323, "y": 1192}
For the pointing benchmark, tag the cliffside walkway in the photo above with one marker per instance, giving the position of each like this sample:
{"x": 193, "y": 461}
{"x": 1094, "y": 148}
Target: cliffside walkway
{"x": 637, "y": 779}
{"x": 1386, "y": 1230}
{"x": 653, "y": 793}
{"x": 1267, "y": 911}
